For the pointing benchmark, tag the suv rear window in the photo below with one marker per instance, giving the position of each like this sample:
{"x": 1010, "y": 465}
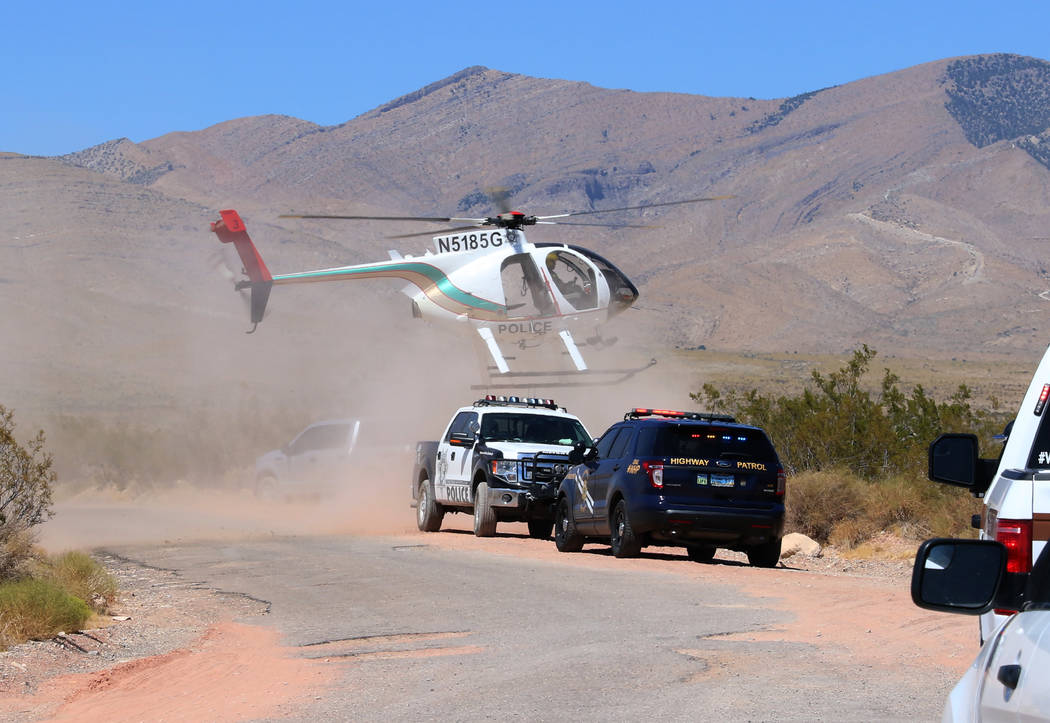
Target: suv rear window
{"x": 703, "y": 441}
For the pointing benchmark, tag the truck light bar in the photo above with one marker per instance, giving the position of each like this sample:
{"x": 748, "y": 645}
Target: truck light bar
{"x": 674, "y": 414}
{"x": 492, "y": 399}
{"x": 1043, "y": 395}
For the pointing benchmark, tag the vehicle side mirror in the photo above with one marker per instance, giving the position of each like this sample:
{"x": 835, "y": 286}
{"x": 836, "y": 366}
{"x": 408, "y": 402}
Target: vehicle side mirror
{"x": 582, "y": 453}
{"x": 958, "y": 576}
{"x": 953, "y": 460}
{"x": 462, "y": 439}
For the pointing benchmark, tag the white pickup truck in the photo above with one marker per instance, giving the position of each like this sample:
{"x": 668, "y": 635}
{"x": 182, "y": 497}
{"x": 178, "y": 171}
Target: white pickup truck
{"x": 1015, "y": 487}
{"x": 501, "y": 458}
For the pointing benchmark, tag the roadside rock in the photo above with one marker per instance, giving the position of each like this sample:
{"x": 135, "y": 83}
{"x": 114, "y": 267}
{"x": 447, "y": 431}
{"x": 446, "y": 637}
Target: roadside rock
{"x": 795, "y": 543}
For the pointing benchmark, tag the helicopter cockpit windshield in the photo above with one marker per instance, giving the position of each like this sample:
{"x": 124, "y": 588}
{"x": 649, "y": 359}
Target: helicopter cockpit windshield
{"x": 622, "y": 293}
{"x": 573, "y": 277}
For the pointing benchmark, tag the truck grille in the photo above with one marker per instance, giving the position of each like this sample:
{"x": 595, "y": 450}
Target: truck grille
{"x": 543, "y": 467}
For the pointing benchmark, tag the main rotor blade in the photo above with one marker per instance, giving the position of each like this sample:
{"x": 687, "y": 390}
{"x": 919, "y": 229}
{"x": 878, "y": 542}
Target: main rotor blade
{"x": 436, "y": 232}
{"x": 434, "y": 219}
{"x": 635, "y": 208}
{"x": 602, "y": 225}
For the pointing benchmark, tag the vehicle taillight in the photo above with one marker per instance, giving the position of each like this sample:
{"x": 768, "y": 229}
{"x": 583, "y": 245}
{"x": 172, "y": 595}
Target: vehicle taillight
{"x": 1016, "y": 535}
{"x": 655, "y": 470}
{"x": 781, "y": 481}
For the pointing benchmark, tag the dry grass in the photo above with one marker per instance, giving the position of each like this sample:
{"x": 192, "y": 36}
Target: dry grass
{"x": 79, "y": 575}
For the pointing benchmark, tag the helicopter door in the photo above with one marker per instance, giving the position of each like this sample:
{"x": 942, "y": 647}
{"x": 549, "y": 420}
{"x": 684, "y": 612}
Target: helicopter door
{"x": 574, "y": 277}
{"x": 524, "y": 289}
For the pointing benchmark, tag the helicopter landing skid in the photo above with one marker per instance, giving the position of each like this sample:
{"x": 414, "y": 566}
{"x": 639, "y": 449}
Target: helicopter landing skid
{"x": 550, "y": 380}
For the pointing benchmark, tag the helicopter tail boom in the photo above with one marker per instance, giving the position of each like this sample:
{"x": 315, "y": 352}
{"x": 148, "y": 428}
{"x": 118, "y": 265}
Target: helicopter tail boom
{"x": 231, "y": 229}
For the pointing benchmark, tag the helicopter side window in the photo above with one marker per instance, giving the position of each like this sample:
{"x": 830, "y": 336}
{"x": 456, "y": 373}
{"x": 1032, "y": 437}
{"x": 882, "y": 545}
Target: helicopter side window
{"x": 622, "y": 293}
{"x": 523, "y": 288}
{"x": 574, "y": 279}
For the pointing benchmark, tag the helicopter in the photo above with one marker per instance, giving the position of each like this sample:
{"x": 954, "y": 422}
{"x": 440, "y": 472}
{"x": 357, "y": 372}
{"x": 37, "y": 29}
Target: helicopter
{"x": 485, "y": 272}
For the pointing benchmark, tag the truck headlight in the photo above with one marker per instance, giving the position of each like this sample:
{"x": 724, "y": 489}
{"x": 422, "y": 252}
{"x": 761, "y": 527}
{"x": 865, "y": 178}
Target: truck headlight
{"x": 505, "y": 468}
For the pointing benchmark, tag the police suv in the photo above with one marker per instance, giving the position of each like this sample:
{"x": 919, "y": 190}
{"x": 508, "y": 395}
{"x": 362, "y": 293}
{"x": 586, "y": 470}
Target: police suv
{"x": 664, "y": 477}
{"x": 1015, "y": 487}
{"x": 500, "y": 459}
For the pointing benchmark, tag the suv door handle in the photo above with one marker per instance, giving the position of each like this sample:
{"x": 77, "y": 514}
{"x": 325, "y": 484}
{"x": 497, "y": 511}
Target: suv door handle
{"x": 452, "y": 457}
{"x": 616, "y": 467}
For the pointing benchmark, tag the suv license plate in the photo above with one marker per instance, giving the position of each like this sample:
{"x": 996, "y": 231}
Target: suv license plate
{"x": 721, "y": 480}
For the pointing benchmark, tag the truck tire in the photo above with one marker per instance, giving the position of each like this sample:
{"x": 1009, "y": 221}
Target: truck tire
{"x": 766, "y": 555}
{"x": 429, "y": 513}
{"x": 622, "y": 538}
{"x": 566, "y": 538}
{"x": 484, "y": 516}
{"x": 266, "y": 487}
{"x": 540, "y": 528}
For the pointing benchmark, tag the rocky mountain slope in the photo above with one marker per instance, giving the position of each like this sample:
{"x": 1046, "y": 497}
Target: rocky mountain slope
{"x": 908, "y": 211}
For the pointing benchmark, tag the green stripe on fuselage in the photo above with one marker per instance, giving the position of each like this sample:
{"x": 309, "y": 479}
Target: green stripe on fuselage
{"x": 434, "y": 275}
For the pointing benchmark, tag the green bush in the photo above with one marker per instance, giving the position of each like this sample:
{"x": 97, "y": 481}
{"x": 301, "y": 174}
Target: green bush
{"x": 81, "y": 576}
{"x": 26, "y": 479}
{"x": 856, "y": 455}
{"x": 36, "y": 610}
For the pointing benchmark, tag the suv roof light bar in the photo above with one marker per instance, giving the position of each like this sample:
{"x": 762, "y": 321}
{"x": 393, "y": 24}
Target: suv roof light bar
{"x": 638, "y": 412}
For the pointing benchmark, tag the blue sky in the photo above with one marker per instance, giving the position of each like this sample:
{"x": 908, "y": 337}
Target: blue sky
{"x": 78, "y": 74}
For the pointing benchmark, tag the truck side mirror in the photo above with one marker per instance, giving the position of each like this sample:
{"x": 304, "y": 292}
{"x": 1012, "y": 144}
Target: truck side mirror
{"x": 953, "y": 460}
{"x": 462, "y": 439}
{"x": 958, "y": 576}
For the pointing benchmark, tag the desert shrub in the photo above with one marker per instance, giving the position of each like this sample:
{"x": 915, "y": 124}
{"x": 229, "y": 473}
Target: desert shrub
{"x": 856, "y": 454}
{"x": 37, "y": 609}
{"x": 837, "y": 422}
{"x": 26, "y": 479}
{"x": 81, "y": 576}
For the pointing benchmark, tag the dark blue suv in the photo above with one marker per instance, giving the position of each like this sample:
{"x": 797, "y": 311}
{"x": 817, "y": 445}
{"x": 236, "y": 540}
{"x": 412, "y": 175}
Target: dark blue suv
{"x": 685, "y": 479}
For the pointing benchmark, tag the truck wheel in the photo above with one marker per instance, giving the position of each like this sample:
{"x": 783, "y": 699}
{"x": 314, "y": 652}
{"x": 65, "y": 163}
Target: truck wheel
{"x": 429, "y": 513}
{"x": 540, "y": 529}
{"x": 266, "y": 487}
{"x": 566, "y": 538}
{"x": 701, "y": 553}
{"x": 766, "y": 555}
{"x": 622, "y": 538}
{"x": 484, "y": 516}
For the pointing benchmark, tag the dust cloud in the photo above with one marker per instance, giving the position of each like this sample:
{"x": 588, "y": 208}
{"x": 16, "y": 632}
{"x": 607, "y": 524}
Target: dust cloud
{"x": 237, "y": 396}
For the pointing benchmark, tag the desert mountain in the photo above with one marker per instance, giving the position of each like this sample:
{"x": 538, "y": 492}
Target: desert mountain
{"x": 908, "y": 211}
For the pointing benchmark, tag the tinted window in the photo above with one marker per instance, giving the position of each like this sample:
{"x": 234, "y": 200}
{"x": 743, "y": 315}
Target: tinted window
{"x": 623, "y": 444}
{"x": 606, "y": 442}
{"x": 703, "y": 441}
{"x": 461, "y": 424}
{"x": 323, "y": 436}
{"x": 1039, "y": 458}
{"x": 534, "y": 428}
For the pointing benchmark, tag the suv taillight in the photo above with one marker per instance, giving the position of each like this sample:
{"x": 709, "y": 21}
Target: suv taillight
{"x": 655, "y": 470}
{"x": 1016, "y": 535}
{"x": 781, "y": 481}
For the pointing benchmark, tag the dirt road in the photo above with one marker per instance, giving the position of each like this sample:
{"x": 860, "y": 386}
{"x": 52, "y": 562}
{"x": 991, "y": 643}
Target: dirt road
{"x": 410, "y": 625}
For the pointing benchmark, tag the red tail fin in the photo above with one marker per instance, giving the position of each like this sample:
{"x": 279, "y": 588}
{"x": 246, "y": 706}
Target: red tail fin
{"x": 230, "y": 229}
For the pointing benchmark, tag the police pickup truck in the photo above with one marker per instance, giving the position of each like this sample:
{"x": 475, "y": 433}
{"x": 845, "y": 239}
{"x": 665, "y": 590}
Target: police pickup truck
{"x": 500, "y": 459}
{"x": 1015, "y": 487}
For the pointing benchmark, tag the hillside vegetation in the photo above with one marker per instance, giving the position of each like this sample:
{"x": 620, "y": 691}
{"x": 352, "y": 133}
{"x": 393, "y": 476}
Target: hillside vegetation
{"x": 857, "y": 458}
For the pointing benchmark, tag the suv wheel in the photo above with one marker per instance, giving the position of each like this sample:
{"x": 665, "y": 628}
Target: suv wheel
{"x": 701, "y": 553}
{"x": 484, "y": 516}
{"x": 540, "y": 529}
{"x": 266, "y": 487}
{"x": 766, "y": 555}
{"x": 429, "y": 513}
{"x": 622, "y": 538}
{"x": 566, "y": 538}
